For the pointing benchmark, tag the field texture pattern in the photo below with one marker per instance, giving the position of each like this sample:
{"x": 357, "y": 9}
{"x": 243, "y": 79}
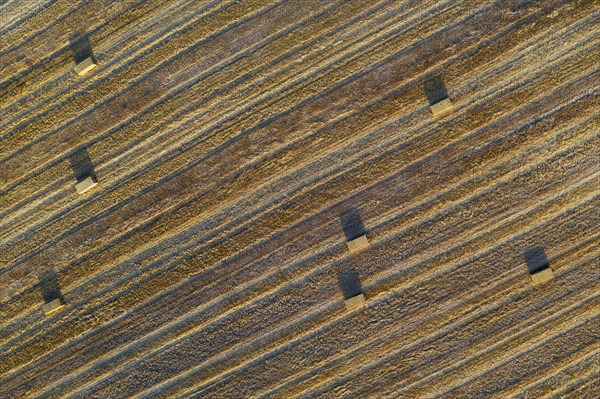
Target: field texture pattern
{"x": 238, "y": 145}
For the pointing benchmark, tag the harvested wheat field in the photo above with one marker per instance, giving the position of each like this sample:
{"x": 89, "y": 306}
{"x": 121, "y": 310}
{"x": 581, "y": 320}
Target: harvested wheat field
{"x": 299, "y": 199}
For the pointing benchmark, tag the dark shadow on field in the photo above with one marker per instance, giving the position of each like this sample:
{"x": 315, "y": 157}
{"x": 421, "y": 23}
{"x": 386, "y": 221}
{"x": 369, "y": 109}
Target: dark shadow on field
{"x": 352, "y": 224}
{"x": 82, "y": 165}
{"x": 48, "y": 284}
{"x": 350, "y": 283}
{"x": 536, "y": 259}
{"x": 80, "y": 47}
{"x": 435, "y": 90}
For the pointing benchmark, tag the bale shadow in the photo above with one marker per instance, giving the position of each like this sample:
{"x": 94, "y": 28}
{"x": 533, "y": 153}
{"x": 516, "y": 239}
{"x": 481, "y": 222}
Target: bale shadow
{"x": 536, "y": 260}
{"x": 435, "y": 90}
{"x": 82, "y": 165}
{"x": 80, "y": 47}
{"x": 349, "y": 281}
{"x": 352, "y": 224}
{"x": 48, "y": 284}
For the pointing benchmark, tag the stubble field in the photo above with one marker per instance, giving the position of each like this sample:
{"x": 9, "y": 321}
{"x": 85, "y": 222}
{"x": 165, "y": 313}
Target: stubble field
{"x": 232, "y": 140}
